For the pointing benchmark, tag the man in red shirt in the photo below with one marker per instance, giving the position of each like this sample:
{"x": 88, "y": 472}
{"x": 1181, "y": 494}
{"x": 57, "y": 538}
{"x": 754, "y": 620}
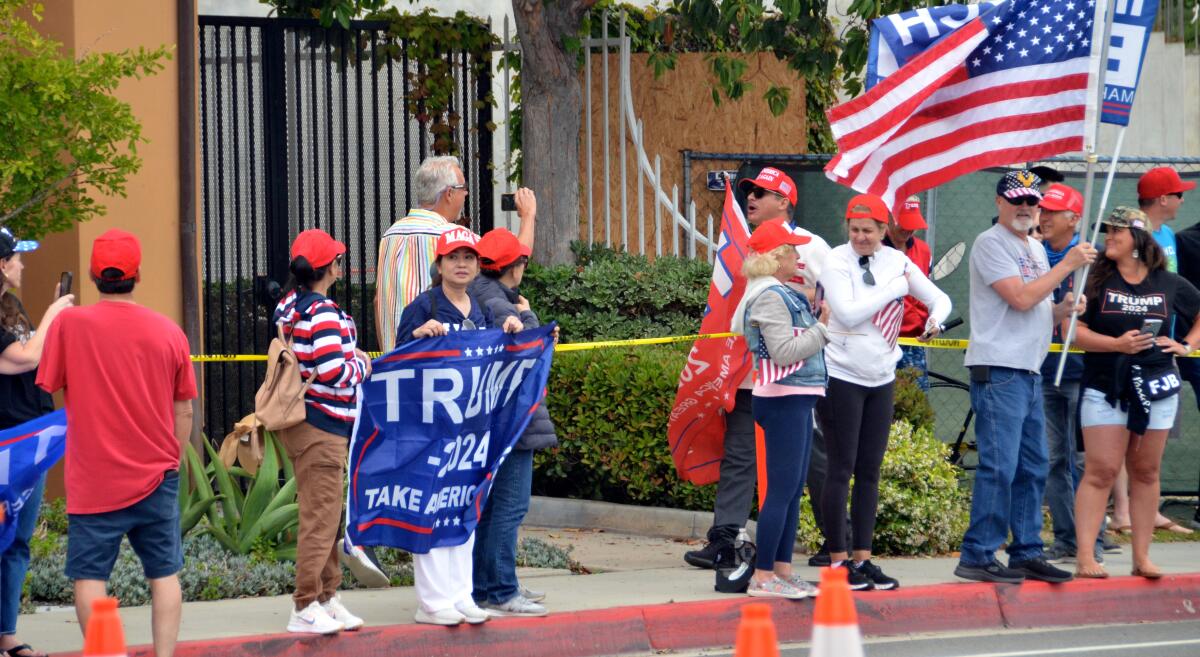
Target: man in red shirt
{"x": 128, "y": 384}
{"x": 901, "y": 236}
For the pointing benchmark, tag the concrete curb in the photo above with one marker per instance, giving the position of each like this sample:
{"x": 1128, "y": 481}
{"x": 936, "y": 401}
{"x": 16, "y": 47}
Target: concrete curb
{"x": 713, "y": 623}
{"x": 624, "y": 518}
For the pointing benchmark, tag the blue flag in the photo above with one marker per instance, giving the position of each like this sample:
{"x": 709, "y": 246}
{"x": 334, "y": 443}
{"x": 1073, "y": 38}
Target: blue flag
{"x": 898, "y": 38}
{"x": 436, "y": 419}
{"x": 26, "y": 451}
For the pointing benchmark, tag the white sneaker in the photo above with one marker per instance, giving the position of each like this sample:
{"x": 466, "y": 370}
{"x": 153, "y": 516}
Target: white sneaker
{"x": 519, "y": 605}
{"x": 530, "y": 594}
{"x": 313, "y": 619}
{"x": 338, "y": 612}
{"x": 440, "y": 617}
{"x": 472, "y": 612}
{"x": 360, "y": 565}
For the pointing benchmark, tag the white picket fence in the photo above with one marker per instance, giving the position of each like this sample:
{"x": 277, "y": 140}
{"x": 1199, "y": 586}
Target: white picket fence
{"x": 674, "y": 225}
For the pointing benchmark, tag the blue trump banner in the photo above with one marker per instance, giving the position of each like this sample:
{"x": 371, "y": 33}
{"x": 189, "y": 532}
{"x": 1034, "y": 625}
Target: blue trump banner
{"x": 436, "y": 419}
{"x": 26, "y": 451}
{"x": 898, "y": 38}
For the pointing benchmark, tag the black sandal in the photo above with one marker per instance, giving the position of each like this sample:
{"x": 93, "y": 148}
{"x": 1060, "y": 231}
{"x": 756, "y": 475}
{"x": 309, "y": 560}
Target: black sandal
{"x": 16, "y": 651}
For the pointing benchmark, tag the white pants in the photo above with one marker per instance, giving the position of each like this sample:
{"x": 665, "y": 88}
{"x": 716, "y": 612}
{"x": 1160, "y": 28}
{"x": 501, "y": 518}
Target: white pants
{"x": 443, "y": 577}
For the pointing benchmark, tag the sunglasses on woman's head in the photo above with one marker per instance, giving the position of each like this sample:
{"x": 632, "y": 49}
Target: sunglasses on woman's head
{"x": 865, "y": 263}
{"x": 1023, "y": 200}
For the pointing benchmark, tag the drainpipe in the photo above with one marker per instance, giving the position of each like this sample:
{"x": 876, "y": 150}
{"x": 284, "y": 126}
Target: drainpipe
{"x": 188, "y": 265}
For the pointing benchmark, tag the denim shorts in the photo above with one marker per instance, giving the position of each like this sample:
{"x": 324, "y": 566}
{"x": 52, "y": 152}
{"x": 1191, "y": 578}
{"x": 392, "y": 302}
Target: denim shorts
{"x": 152, "y": 524}
{"x": 1095, "y": 411}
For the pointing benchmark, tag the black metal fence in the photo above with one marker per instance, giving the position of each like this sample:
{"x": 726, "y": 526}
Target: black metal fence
{"x": 307, "y": 127}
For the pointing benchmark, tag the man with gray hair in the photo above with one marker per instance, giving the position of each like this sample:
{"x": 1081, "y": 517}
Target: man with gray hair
{"x": 406, "y": 251}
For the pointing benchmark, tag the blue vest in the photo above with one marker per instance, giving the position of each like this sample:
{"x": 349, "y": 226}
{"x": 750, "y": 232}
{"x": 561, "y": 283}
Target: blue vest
{"x": 812, "y": 372}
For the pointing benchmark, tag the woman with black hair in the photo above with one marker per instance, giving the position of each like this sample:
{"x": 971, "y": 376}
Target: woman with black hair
{"x": 324, "y": 339}
{"x": 20, "y": 401}
{"x": 443, "y": 576}
{"x": 494, "y": 571}
{"x": 1130, "y": 384}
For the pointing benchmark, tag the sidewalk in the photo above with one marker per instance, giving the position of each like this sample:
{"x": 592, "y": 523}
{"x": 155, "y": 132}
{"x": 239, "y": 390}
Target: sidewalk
{"x": 631, "y": 602}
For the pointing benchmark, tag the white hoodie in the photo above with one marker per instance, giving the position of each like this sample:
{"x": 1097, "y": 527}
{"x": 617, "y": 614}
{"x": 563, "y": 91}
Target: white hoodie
{"x": 858, "y": 351}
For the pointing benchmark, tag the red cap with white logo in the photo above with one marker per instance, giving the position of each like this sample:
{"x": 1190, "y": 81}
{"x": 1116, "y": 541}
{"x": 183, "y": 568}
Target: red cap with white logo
{"x": 773, "y": 180}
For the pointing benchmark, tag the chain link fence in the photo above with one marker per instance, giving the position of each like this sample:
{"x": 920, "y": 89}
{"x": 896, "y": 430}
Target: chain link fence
{"x": 957, "y": 212}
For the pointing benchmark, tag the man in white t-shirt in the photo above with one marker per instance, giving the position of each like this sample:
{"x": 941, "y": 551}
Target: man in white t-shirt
{"x": 769, "y": 195}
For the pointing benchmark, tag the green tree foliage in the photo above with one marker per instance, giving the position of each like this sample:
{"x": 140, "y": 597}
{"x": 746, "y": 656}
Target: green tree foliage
{"x": 65, "y": 134}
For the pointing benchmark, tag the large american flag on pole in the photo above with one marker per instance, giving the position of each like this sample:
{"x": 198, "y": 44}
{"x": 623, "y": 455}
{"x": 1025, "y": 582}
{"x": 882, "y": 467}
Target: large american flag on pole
{"x": 709, "y": 380}
{"x": 1016, "y": 82}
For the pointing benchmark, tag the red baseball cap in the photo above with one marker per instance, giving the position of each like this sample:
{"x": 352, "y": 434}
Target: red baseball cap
{"x": 317, "y": 247}
{"x": 867, "y": 206}
{"x": 774, "y": 234}
{"x": 499, "y": 248}
{"x": 774, "y": 180}
{"x": 457, "y": 238}
{"x": 116, "y": 249}
{"x": 909, "y": 217}
{"x": 1161, "y": 181}
{"x": 1060, "y": 197}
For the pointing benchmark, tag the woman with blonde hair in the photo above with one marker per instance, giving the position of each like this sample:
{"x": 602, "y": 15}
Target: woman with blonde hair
{"x": 786, "y": 341}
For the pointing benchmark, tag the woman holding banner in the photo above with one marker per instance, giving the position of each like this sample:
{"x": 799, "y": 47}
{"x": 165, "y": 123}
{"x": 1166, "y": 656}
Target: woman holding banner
{"x": 442, "y": 577}
{"x": 865, "y": 284}
{"x": 1130, "y": 383}
{"x": 20, "y": 402}
{"x": 786, "y": 341}
{"x": 325, "y": 342}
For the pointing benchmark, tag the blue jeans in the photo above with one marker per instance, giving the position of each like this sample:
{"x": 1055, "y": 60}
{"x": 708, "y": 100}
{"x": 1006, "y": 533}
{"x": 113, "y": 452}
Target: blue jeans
{"x": 1062, "y": 478}
{"x": 1010, "y": 433}
{"x": 787, "y": 424}
{"x": 15, "y": 560}
{"x": 494, "y": 559}
{"x": 914, "y": 357}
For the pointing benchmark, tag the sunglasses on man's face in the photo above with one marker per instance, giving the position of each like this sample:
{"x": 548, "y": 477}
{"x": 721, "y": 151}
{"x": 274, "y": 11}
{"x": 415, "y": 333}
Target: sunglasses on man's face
{"x": 1178, "y": 195}
{"x": 1023, "y": 200}
{"x": 865, "y": 263}
{"x": 461, "y": 187}
{"x": 759, "y": 192}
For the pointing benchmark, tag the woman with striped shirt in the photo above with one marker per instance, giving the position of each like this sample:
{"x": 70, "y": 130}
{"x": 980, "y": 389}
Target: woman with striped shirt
{"x": 325, "y": 342}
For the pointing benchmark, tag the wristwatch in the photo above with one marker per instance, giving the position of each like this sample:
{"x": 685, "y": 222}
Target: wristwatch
{"x": 1187, "y": 348}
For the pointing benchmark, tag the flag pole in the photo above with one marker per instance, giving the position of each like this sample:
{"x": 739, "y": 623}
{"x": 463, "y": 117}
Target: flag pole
{"x": 1080, "y": 280}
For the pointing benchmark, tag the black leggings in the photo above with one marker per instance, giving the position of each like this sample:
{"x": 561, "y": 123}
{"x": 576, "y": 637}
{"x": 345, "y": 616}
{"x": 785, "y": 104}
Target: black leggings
{"x": 859, "y": 419}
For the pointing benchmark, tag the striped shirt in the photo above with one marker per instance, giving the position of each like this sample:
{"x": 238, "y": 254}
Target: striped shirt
{"x": 324, "y": 339}
{"x": 406, "y": 253}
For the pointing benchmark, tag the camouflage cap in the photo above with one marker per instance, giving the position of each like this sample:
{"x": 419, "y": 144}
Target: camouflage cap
{"x": 1123, "y": 217}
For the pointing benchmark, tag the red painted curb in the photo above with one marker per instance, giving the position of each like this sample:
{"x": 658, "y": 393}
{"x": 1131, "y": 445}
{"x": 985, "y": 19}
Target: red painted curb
{"x": 713, "y": 623}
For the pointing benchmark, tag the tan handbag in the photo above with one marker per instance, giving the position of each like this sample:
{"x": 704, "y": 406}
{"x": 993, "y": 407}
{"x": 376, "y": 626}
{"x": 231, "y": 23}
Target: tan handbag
{"x": 279, "y": 402}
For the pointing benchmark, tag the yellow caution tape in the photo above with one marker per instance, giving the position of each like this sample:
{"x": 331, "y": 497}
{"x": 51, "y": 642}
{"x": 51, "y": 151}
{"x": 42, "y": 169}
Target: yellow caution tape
{"x": 936, "y": 343}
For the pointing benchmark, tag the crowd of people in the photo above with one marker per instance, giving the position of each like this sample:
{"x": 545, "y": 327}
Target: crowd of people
{"x": 822, "y": 325}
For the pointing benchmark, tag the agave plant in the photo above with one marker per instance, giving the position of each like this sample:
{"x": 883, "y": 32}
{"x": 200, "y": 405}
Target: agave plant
{"x": 196, "y": 495}
{"x": 265, "y": 512}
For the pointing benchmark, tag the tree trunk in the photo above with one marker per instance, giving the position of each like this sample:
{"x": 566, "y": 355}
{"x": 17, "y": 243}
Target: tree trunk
{"x": 552, "y": 107}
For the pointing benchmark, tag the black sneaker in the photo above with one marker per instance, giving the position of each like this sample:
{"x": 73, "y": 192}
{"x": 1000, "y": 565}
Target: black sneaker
{"x": 855, "y": 577}
{"x": 719, "y": 538}
{"x": 1039, "y": 569}
{"x": 993, "y": 572}
{"x": 874, "y": 574}
{"x": 820, "y": 559}
{"x": 1111, "y": 546}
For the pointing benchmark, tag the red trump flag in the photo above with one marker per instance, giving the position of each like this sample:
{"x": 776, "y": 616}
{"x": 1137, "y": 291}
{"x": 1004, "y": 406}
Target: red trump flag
{"x": 715, "y": 366}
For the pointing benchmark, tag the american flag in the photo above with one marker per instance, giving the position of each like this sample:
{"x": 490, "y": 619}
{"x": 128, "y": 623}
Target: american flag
{"x": 1016, "y": 83}
{"x": 888, "y": 321}
{"x": 768, "y": 371}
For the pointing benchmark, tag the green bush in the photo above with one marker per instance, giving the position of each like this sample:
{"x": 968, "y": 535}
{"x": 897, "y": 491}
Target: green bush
{"x": 911, "y": 403}
{"x": 922, "y": 509}
{"x": 611, "y": 407}
{"x": 614, "y": 295}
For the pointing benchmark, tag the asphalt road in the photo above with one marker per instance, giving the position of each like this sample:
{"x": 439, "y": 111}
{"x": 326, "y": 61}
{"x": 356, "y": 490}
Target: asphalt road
{"x": 1180, "y": 639}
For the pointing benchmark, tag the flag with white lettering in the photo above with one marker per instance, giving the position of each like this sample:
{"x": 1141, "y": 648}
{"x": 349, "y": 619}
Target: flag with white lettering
{"x": 897, "y": 38}
{"x": 26, "y": 451}
{"x": 715, "y": 366}
{"x": 436, "y": 419}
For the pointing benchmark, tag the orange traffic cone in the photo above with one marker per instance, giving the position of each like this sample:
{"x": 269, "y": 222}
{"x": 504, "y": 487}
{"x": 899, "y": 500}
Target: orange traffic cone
{"x": 756, "y": 633}
{"x": 105, "y": 636}
{"x": 835, "y": 623}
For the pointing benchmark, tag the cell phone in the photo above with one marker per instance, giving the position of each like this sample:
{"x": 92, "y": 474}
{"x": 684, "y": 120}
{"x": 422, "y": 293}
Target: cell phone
{"x": 508, "y": 202}
{"x": 1151, "y": 326}
{"x": 64, "y": 283}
